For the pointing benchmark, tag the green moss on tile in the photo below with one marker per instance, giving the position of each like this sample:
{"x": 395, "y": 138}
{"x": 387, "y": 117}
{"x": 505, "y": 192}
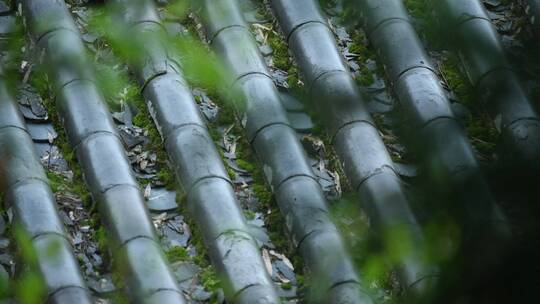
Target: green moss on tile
{"x": 226, "y": 115}
{"x": 359, "y": 46}
{"x": 280, "y": 52}
{"x": 231, "y": 172}
{"x": 484, "y": 135}
{"x": 166, "y": 176}
{"x": 177, "y": 254}
{"x": 457, "y": 80}
{"x": 480, "y": 128}
{"x": 286, "y": 286}
{"x": 249, "y": 215}
{"x": 207, "y": 275}
{"x": 210, "y": 279}
{"x": 100, "y": 235}
{"x": 248, "y": 166}
{"x": 418, "y": 8}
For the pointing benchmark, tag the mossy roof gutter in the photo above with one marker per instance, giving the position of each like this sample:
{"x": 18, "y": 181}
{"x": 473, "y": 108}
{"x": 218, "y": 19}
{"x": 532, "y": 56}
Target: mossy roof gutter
{"x": 446, "y": 151}
{"x": 209, "y": 191}
{"x": 26, "y": 189}
{"x": 356, "y": 140}
{"x": 484, "y": 59}
{"x": 298, "y": 193}
{"x": 100, "y": 152}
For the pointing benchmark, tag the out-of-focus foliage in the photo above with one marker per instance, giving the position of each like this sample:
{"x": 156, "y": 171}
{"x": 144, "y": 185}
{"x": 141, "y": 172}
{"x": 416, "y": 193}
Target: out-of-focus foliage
{"x": 199, "y": 65}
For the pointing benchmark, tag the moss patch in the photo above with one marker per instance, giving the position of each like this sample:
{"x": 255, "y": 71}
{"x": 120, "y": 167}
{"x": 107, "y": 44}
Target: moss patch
{"x": 177, "y": 254}
{"x": 480, "y": 128}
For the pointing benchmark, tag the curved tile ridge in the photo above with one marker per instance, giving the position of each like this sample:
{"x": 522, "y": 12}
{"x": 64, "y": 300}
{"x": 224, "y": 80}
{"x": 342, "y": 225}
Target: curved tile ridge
{"x": 418, "y": 87}
{"x": 356, "y": 140}
{"x": 103, "y": 160}
{"x": 533, "y": 11}
{"x": 199, "y": 168}
{"x": 26, "y": 189}
{"x": 426, "y": 106}
{"x": 284, "y": 162}
{"x": 489, "y": 71}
